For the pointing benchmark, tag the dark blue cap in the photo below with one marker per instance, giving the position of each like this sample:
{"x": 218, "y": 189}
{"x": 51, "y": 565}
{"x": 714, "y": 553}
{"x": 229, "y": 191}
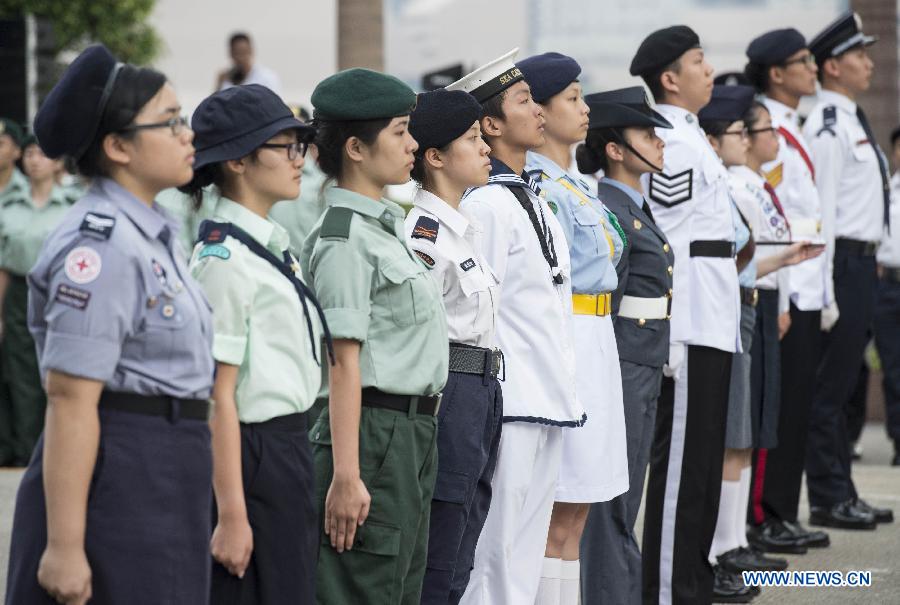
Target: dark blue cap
{"x": 623, "y": 108}
{"x": 728, "y": 103}
{"x": 662, "y": 48}
{"x": 231, "y": 123}
{"x": 774, "y": 47}
{"x": 441, "y": 116}
{"x": 548, "y": 74}
{"x": 68, "y": 120}
{"x": 840, "y": 36}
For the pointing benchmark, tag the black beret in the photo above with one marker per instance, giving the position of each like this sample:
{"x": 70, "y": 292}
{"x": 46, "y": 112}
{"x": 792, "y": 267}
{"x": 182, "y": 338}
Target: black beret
{"x": 623, "y": 108}
{"x": 362, "y": 94}
{"x": 774, "y": 47}
{"x": 663, "y": 47}
{"x": 13, "y": 130}
{"x": 231, "y": 123}
{"x": 548, "y": 74}
{"x": 441, "y": 116}
{"x": 840, "y": 36}
{"x": 728, "y": 103}
{"x": 68, "y": 120}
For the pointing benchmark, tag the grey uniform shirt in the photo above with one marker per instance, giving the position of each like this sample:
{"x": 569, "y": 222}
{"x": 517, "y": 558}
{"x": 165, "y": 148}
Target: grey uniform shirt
{"x": 111, "y": 299}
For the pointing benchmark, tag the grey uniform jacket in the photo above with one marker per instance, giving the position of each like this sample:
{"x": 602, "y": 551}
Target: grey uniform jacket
{"x": 644, "y": 271}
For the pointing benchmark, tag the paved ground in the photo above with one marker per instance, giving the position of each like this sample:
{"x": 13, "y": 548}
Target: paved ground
{"x": 878, "y": 551}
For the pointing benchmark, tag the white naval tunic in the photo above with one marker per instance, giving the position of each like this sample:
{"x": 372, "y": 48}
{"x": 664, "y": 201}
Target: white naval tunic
{"x": 810, "y": 283}
{"x": 889, "y": 251}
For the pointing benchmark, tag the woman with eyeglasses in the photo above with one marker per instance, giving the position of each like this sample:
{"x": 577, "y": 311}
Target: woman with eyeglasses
{"x": 114, "y": 506}
{"x": 267, "y": 330}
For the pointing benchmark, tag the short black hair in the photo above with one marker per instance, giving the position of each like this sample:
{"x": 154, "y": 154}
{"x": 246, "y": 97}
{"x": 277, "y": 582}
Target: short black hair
{"x": 419, "y": 173}
{"x": 753, "y": 114}
{"x": 332, "y": 134}
{"x": 716, "y": 128}
{"x": 895, "y": 134}
{"x": 654, "y": 82}
{"x": 591, "y": 156}
{"x": 758, "y": 75}
{"x": 238, "y": 37}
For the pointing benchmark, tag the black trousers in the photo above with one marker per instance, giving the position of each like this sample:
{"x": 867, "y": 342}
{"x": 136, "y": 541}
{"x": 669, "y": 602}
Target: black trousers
{"x": 277, "y": 468}
{"x": 827, "y": 452}
{"x": 856, "y": 406}
{"x": 782, "y": 475}
{"x": 685, "y": 480}
{"x": 887, "y": 339}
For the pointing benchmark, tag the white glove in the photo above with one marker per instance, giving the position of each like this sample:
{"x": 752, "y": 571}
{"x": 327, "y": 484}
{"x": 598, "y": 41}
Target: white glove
{"x": 676, "y": 359}
{"x": 830, "y": 315}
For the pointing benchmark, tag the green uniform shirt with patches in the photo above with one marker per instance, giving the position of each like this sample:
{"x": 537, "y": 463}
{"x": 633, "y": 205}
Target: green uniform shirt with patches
{"x": 258, "y": 319}
{"x": 375, "y": 290}
{"x": 16, "y": 187}
{"x": 299, "y": 215}
{"x": 24, "y": 227}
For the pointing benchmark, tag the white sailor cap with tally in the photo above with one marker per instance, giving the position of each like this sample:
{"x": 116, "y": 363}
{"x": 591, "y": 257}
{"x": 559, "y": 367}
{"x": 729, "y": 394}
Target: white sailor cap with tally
{"x": 843, "y": 34}
{"x": 491, "y": 79}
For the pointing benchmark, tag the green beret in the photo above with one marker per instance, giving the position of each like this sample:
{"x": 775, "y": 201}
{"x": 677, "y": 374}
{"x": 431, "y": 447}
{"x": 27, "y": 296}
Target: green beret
{"x": 362, "y": 94}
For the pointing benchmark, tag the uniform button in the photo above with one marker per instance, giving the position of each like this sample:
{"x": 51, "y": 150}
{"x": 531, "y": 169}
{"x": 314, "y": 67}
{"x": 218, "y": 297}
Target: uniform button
{"x": 665, "y": 247}
{"x": 641, "y": 322}
{"x": 671, "y": 292}
{"x": 669, "y": 269}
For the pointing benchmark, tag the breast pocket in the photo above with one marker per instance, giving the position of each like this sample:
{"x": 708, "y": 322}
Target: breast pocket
{"x": 410, "y": 292}
{"x": 588, "y": 231}
{"x": 864, "y": 153}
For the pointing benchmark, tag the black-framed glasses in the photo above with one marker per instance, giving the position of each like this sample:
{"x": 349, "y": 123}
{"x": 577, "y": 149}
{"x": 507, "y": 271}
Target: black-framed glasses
{"x": 293, "y": 149}
{"x": 771, "y": 129}
{"x": 177, "y": 125}
{"x": 807, "y": 60}
{"x": 743, "y": 133}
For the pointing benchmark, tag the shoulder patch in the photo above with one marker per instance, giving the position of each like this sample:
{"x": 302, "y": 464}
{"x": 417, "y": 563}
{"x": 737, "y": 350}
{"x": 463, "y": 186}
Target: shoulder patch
{"x": 829, "y": 119}
{"x": 775, "y": 176}
{"x": 425, "y": 258}
{"x": 216, "y": 250}
{"x": 72, "y": 297}
{"x": 83, "y": 265}
{"x": 426, "y": 228}
{"x": 336, "y": 223}
{"x": 98, "y": 226}
{"x": 672, "y": 189}
{"x": 12, "y": 200}
{"x": 467, "y": 264}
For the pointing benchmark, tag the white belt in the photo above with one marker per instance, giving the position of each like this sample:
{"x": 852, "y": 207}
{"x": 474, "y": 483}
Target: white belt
{"x": 805, "y": 228}
{"x": 635, "y": 307}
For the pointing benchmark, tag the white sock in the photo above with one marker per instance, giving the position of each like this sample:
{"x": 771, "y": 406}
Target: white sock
{"x": 548, "y": 589}
{"x": 725, "y": 539}
{"x": 570, "y": 582}
{"x": 740, "y": 518}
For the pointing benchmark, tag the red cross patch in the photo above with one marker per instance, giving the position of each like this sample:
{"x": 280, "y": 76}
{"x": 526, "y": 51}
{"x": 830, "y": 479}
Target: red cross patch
{"x": 83, "y": 265}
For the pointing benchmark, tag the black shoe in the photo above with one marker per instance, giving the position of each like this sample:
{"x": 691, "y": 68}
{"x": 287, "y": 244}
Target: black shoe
{"x": 741, "y": 559}
{"x": 772, "y": 536}
{"x": 843, "y": 515}
{"x": 896, "y": 460}
{"x": 811, "y": 538}
{"x": 882, "y": 515}
{"x": 729, "y": 588}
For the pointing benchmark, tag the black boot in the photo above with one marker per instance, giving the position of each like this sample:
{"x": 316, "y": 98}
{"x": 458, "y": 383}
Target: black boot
{"x": 741, "y": 559}
{"x": 845, "y": 515}
{"x": 729, "y": 588}
{"x": 773, "y": 536}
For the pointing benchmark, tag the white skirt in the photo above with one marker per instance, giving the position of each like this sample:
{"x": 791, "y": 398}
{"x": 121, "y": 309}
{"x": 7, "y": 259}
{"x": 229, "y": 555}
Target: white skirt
{"x": 595, "y": 458}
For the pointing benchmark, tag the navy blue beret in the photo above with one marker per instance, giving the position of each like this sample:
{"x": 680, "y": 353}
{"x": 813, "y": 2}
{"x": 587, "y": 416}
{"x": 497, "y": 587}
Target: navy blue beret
{"x": 841, "y": 35}
{"x": 548, "y": 74}
{"x": 728, "y": 103}
{"x": 441, "y": 116}
{"x": 68, "y": 120}
{"x": 663, "y": 47}
{"x": 231, "y": 123}
{"x": 623, "y": 108}
{"x": 774, "y": 47}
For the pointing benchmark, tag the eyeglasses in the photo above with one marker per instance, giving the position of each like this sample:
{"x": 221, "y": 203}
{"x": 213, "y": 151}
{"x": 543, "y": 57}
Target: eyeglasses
{"x": 743, "y": 133}
{"x": 808, "y": 60}
{"x": 771, "y": 129}
{"x": 177, "y": 125}
{"x": 293, "y": 149}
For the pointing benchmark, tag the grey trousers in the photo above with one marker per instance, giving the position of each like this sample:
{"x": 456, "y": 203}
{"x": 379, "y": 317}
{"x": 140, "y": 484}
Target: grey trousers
{"x": 610, "y": 555}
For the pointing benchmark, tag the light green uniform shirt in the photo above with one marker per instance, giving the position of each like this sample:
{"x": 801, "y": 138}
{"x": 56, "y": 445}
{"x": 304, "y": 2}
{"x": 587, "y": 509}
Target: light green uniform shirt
{"x": 298, "y": 216}
{"x": 258, "y": 319}
{"x": 24, "y": 227}
{"x": 16, "y": 187}
{"x": 181, "y": 205}
{"x": 375, "y": 290}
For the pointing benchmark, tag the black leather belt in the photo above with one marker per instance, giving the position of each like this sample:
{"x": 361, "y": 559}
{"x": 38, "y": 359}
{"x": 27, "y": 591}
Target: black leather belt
{"x": 749, "y": 296}
{"x": 297, "y": 422}
{"x": 427, "y": 405}
{"x": 855, "y": 247}
{"x": 475, "y": 360}
{"x": 155, "y": 405}
{"x": 891, "y": 274}
{"x": 714, "y": 247}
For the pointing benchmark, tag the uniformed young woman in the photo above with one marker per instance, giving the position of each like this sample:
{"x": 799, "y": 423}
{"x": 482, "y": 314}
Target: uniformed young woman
{"x": 115, "y": 504}
{"x": 25, "y": 222}
{"x": 375, "y": 447}
{"x": 621, "y": 141}
{"x": 594, "y": 461}
{"x": 452, "y": 157}
{"x": 266, "y": 344}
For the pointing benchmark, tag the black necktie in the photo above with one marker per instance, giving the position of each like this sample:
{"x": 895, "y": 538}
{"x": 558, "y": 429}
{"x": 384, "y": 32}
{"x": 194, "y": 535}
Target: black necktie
{"x": 646, "y": 209}
{"x": 882, "y": 167}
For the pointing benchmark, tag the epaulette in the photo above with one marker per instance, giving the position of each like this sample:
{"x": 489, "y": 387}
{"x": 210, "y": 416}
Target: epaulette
{"x": 336, "y": 223}
{"x": 829, "y": 119}
{"x": 98, "y": 226}
{"x": 426, "y": 228}
{"x": 12, "y": 200}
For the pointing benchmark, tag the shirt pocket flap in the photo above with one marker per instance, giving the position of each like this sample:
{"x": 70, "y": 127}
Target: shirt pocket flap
{"x": 320, "y": 433}
{"x": 863, "y": 153}
{"x": 397, "y": 272}
{"x": 451, "y": 486}
{"x": 586, "y": 216}
{"x": 471, "y": 282}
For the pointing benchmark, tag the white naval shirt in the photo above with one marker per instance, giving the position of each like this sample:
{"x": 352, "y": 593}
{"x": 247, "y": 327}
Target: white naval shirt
{"x": 690, "y": 201}
{"x": 810, "y": 282}
{"x": 534, "y": 324}
{"x": 471, "y": 292}
{"x": 889, "y": 251}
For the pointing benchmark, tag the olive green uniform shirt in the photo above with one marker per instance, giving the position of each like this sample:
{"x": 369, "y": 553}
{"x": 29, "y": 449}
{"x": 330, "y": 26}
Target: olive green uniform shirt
{"x": 375, "y": 290}
{"x": 298, "y": 216}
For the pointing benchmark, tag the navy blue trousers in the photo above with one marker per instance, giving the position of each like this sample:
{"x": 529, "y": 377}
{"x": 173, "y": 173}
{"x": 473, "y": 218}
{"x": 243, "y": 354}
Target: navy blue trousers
{"x": 887, "y": 339}
{"x": 279, "y": 490}
{"x": 827, "y": 450}
{"x": 469, "y": 425}
{"x": 148, "y": 521}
